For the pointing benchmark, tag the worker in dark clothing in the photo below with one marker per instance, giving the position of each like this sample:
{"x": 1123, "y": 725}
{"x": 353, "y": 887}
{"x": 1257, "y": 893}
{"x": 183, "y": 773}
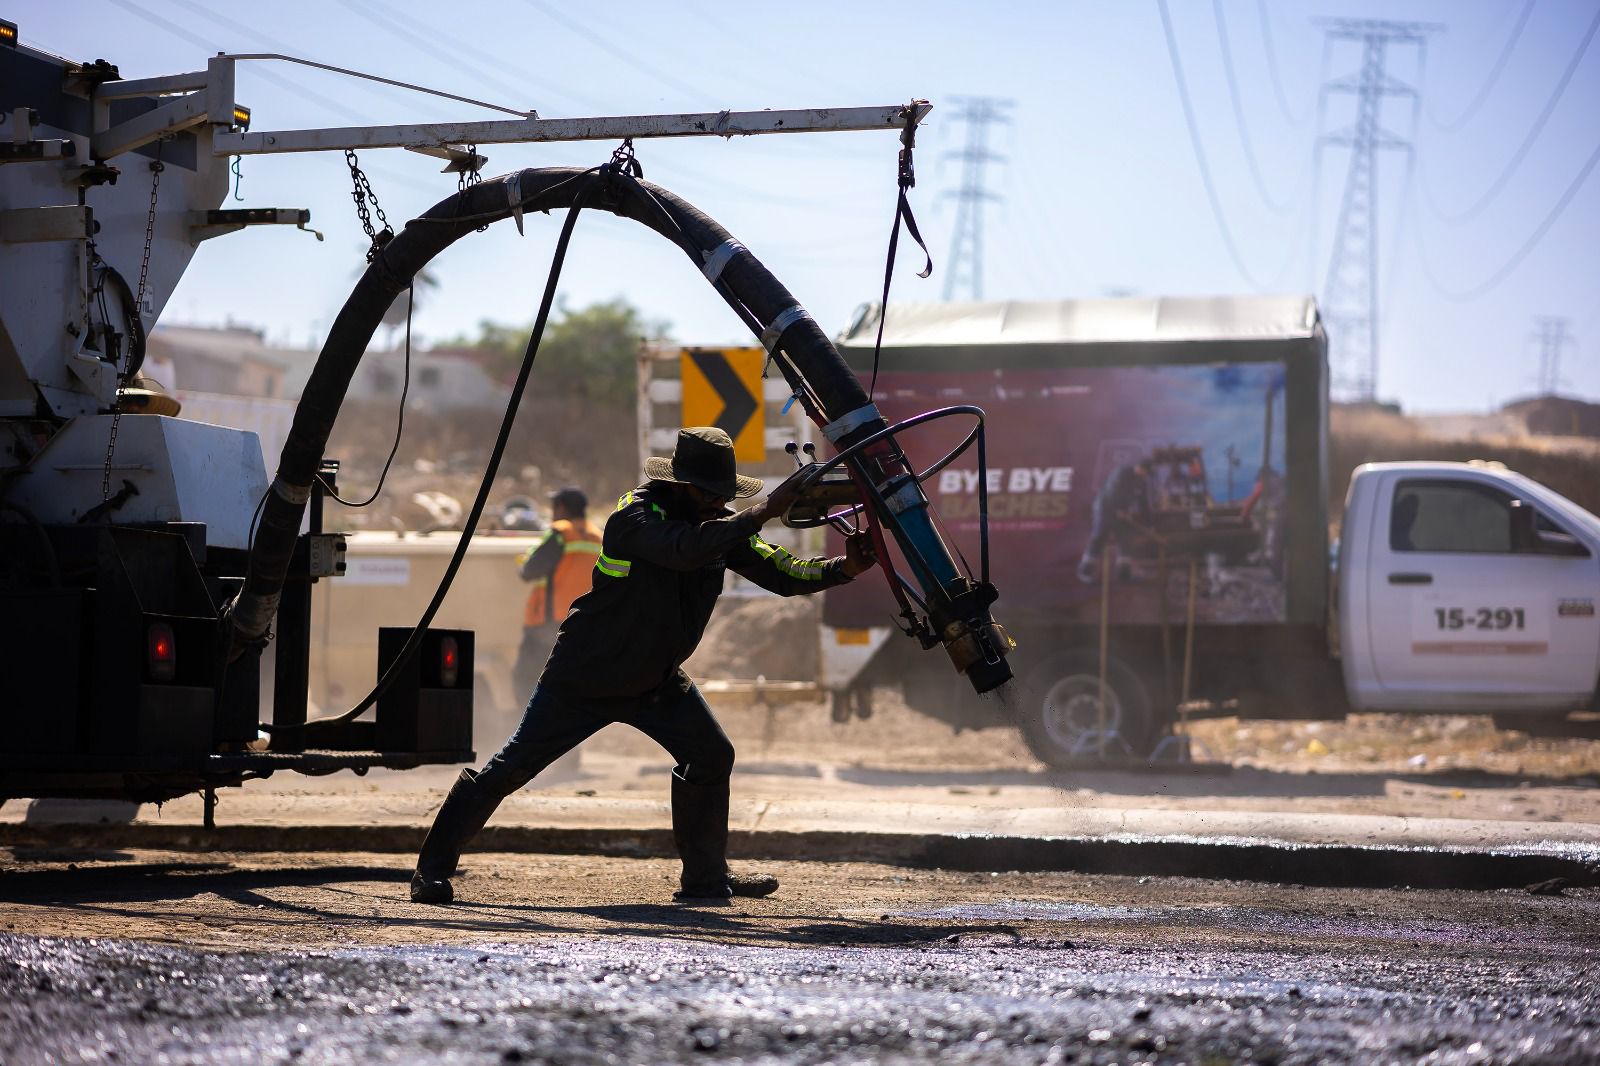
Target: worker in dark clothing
{"x": 1122, "y": 503}
{"x": 559, "y": 566}
{"x": 619, "y": 651}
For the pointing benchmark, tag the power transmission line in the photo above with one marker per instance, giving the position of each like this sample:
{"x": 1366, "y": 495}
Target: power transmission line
{"x": 599, "y": 41}
{"x": 1489, "y": 82}
{"x": 1350, "y": 295}
{"x": 466, "y": 57}
{"x": 966, "y": 244}
{"x": 1200, "y": 158}
{"x": 1281, "y": 208}
{"x": 1466, "y": 295}
{"x": 1534, "y": 130}
{"x": 1272, "y": 67}
{"x": 276, "y": 79}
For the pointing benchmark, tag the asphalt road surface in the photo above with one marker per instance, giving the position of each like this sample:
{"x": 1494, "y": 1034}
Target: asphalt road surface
{"x": 156, "y": 957}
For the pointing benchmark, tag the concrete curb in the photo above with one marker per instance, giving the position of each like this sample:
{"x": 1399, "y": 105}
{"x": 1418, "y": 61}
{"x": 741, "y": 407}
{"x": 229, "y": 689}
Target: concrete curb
{"x": 1319, "y": 865}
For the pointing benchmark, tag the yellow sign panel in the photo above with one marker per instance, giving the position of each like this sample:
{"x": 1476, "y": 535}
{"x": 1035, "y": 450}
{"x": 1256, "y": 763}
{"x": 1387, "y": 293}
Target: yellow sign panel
{"x": 722, "y": 387}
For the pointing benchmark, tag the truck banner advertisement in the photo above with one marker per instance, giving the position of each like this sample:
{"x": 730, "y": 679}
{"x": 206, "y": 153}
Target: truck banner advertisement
{"x": 1107, "y": 473}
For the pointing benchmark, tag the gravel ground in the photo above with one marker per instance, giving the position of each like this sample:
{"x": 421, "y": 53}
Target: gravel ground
{"x": 163, "y": 957}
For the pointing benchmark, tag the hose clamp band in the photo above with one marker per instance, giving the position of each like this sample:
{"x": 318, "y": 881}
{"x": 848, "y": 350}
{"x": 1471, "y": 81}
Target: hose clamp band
{"x": 295, "y": 494}
{"x": 774, "y": 333}
{"x": 842, "y": 426}
{"x": 904, "y": 498}
{"x": 718, "y": 258}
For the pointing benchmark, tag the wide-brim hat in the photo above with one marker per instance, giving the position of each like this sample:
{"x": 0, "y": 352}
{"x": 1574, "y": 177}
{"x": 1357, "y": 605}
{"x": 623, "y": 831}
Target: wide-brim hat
{"x": 703, "y": 457}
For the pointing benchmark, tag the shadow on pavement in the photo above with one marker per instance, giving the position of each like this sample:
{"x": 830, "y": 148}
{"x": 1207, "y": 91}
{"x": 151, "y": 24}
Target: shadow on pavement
{"x": 1243, "y": 781}
{"x": 353, "y": 895}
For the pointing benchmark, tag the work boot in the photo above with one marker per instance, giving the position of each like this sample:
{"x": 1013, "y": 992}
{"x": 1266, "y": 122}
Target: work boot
{"x": 464, "y": 812}
{"x": 700, "y": 829}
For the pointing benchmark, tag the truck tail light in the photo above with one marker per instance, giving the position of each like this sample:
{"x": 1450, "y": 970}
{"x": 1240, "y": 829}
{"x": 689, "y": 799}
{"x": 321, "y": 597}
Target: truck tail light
{"x": 449, "y": 662}
{"x": 161, "y": 651}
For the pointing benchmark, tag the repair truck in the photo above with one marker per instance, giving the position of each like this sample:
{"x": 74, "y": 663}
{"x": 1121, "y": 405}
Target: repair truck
{"x": 1156, "y": 501}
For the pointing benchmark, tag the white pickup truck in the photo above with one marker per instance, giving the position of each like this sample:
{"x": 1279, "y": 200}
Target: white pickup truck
{"x": 1466, "y": 587}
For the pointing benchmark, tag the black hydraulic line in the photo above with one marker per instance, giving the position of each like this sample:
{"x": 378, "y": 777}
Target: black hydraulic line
{"x": 806, "y": 357}
{"x": 836, "y": 390}
{"x": 130, "y": 311}
{"x": 46, "y": 549}
{"x": 983, "y": 509}
{"x": 414, "y": 640}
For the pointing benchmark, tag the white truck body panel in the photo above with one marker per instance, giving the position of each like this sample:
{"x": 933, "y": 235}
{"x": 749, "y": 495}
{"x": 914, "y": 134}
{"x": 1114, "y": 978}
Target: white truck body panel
{"x": 182, "y": 471}
{"x": 388, "y": 580}
{"x": 1439, "y": 614}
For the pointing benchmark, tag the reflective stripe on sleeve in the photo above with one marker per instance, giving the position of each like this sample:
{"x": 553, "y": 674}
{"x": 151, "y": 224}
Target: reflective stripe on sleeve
{"x": 627, "y": 498}
{"x": 800, "y": 569}
{"x": 612, "y": 567}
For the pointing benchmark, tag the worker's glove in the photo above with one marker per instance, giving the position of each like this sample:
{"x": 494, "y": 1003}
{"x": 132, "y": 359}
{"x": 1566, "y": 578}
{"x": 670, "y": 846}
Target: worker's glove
{"x": 775, "y": 503}
{"x": 859, "y": 554}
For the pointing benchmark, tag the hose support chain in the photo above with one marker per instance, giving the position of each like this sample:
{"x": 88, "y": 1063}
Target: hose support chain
{"x": 906, "y": 180}
{"x": 361, "y": 193}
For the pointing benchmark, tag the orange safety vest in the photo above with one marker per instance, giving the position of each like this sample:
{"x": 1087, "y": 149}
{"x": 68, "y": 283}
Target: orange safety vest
{"x": 580, "y": 547}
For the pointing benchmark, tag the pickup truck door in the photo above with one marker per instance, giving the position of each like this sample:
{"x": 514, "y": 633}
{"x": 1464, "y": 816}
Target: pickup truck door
{"x": 1458, "y": 617}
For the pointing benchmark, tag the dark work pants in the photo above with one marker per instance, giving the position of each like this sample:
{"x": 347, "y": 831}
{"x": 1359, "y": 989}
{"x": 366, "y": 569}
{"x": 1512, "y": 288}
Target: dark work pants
{"x": 554, "y": 724}
{"x": 532, "y": 652}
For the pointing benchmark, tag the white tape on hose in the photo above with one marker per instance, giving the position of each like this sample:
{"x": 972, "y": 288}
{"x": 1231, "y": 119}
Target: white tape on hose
{"x": 774, "y": 332}
{"x": 846, "y": 424}
{"x": 718, "y": 258}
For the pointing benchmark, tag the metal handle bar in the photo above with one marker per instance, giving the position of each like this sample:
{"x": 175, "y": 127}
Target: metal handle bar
{"x": 889, "y": 431}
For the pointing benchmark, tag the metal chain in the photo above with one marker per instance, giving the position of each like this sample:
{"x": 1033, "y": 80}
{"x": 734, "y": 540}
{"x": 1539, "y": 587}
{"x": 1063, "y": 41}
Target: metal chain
{"x": 156, "y": 167}
{"x": 361, "y": 193}
{"x": 149, "y": 225}
{"x": 470, "y": 175}
{"x": 623, "y": 159}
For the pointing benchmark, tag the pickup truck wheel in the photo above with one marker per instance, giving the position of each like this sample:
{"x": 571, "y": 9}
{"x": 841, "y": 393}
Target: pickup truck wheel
{"x": 1062, "y": 711}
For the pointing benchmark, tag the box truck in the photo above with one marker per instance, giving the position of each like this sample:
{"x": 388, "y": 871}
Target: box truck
{"x": 1157, "y": 499}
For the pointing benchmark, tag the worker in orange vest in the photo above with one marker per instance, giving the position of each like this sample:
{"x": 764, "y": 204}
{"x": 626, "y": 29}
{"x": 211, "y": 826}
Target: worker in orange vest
{"x": 561, "y": 567}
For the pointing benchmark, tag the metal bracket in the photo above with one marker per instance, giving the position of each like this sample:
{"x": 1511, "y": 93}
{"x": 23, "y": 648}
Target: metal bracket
{"x": 210, "y": 101}
{"x": 514, "y": 194}
{"x": 457, "y": 159}
{"x": 203, "y": 225}
{"x": 27, "y": 225}
{"x": 36, "y": 151}
{"x": 23, "y": 147}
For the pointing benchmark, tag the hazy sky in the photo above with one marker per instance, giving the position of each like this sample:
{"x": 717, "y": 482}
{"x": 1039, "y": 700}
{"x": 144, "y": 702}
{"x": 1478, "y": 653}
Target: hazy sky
{"x": 1101, "y": 191}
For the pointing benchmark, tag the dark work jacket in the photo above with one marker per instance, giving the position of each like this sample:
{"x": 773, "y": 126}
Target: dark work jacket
{"x": 655, "y": 584}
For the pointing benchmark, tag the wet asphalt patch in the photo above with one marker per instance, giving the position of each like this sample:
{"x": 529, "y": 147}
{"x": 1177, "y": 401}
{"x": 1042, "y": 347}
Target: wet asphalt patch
{"x": 975, "y": 995}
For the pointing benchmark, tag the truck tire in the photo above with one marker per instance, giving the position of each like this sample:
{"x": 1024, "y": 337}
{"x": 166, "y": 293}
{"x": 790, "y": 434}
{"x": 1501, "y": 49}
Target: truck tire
{"x": 1061, "y": 710}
